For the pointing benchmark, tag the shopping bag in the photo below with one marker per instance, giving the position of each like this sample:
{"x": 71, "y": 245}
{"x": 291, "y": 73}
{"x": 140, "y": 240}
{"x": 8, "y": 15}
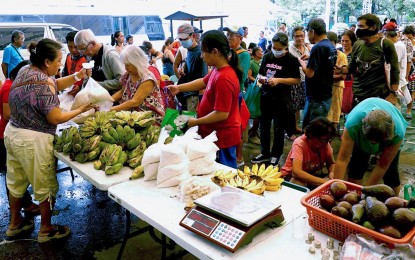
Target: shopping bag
{"x": 175, "y": 121}
{"x": 347, "y": 101}
{"x": 252, "y": 99}
{"x": 169, "y": 100}
{"x": 93, "y": 93}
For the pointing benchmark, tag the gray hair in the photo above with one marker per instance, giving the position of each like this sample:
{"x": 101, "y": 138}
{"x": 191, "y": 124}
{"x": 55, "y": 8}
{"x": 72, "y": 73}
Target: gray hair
{"x": 84, "y": 37}
{"x": 378, "y": 126}
{"x": 135, "y": 56}
{"x": 15, "y": 35}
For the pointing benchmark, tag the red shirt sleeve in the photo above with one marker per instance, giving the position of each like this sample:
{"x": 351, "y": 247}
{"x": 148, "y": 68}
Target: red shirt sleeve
{"x": 5, "y": 91}
{"x": 297, "y": 152}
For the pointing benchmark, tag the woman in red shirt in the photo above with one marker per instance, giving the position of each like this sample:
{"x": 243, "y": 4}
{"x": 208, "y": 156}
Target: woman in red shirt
{"x": 219, "y": 108}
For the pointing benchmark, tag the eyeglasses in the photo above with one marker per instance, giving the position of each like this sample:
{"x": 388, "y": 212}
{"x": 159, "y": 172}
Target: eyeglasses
{"x": 84, "y": 49}
{"x": 188, "y": 37}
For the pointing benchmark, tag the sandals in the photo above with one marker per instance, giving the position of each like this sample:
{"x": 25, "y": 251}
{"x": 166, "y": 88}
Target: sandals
{"x": 24, "y": 225}
{"x": 57, "y": 232}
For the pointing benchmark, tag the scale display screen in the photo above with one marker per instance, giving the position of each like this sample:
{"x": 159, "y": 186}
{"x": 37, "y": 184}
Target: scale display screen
{"x": 202, "y": 222}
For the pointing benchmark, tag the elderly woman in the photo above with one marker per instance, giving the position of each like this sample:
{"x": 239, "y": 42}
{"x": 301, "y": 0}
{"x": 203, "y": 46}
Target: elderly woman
{"x": 140, "y": 90}
{"x": 374, "y": 126}
{"x": 310, "y": 153}
{"x": 35, "y": 112}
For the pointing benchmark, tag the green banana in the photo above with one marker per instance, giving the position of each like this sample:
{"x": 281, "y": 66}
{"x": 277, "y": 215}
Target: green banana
{"x": 136, "y": 161}
{"x": 67, "y": 148}
{"x": 123, "y": 158}
{"x": 102, "y": 145}
{"x": 98, "y": 165}
{"x": 86, "y": 144}
{"x": 146, "y": 122}
{"x": 149, "y": 139}
{"x": 144, "y": 115}
{"x": 95, "y": 140}
{"x": 129, "y": 133}
{"x": 81, "y": 157}
{"x": 120, "y": 132}
{"x": 112, "y": 169}
{"x": 134, "y": 142}
{"x": 137, "y": 150}
{"x": 85, "y": 134}
{"x": 106, "y": 136}
{"x": 93, "y": 154}
{"x": 138, "y": 172}
{"x": 114, "y": 133}
{"x": 113, "y": 158}
{"x": 76, "y": 148}
{"x": 117, "y": 121}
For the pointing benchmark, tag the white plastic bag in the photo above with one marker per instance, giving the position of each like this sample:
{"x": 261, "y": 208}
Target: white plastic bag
{"x": 171, "y": 175}
{"x": 188, "y": 137}
{"x": 194, "y": 188}
{"x": 204, "y": 165}
{"x": 171, "y": 154}
{"x": 150, "y": 171}
{"x": 404, "y": 96}
{"x": 65, "y": 101}
{"x": 152, "y": 153}
{"x": 93, "y": 93}
{"x": 201, "y": 148}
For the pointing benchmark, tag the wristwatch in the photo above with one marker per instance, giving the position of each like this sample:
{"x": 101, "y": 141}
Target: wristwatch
{"x": 76, "y": 77}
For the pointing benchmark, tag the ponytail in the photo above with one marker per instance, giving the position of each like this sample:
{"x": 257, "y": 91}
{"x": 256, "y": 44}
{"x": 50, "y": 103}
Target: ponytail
{"x": 112, "y": 40}
{"x": 234, "y": 63}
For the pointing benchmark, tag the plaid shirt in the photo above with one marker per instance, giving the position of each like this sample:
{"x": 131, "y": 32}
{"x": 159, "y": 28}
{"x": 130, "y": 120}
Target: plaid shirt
{"x": 409, "y": 48}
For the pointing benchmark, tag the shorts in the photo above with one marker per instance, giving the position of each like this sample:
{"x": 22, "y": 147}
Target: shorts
{"x": 411, "y": 86}
{"x": 192, "y": 102}
{"x": 30, "y": 160}
{"x": 360, "y": 161}
{"x": 298, "y": 96}
{"x": 227, "y": 156}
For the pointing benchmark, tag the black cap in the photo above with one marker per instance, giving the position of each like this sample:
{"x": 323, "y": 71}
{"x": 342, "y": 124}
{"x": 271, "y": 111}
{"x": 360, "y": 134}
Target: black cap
{"x": 197, "y": 30}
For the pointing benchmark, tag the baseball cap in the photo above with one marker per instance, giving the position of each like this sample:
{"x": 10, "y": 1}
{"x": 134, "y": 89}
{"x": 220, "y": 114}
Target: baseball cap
{"x": 389, "y": 27}
{"x": 184, "y": 31}
{"x": 196, "y": 30}
{"x": 240, "y": 31}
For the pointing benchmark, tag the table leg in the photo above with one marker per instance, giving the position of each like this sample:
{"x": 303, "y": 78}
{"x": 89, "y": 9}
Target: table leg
{"x": 126, "y": 235}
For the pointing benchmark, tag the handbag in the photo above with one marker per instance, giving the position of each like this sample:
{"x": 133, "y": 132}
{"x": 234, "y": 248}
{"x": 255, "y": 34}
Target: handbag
{"x": 411, "y": 76}
{"x": 252, "y": 99}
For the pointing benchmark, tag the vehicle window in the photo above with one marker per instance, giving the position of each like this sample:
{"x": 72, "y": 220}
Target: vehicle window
{"x": 60, "y": 33}
{"x": 31, "y": 34}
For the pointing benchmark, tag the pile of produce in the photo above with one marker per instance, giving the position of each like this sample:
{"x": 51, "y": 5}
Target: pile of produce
{"x": 255, "y": 180}
{"x": 112, "y": 139}
{"x": 376, "y": 208}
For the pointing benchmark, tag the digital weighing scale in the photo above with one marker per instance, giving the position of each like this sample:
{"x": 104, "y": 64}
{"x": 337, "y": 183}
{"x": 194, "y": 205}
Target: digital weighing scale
{"x": 231, "y": 217}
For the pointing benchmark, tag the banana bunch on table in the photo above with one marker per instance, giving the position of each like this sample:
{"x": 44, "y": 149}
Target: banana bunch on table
{"x": 111, "y": 160}
{"x": 135, "y": 118}
{"x": 255, "y": 180}
{"x": 97, "y": 124}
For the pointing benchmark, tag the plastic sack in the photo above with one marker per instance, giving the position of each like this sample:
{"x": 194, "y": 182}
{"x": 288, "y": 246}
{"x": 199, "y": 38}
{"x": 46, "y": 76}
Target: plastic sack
{"x": 188, "y": 137}
{"x": 404, "y": 96}
{"x": 203, "y": 166}
{"x": 175, "y": 121}
{"x": 152, "y": 153}
{"x": 66, "y": 102}
{"x": 194, "y": 188}
{"x": 172, "y": 175}
{"x": 150, "y": 171}
{"x": 171, "y": 154}
{"x": 93, "y": 93}
{"x": 201, "y": 148}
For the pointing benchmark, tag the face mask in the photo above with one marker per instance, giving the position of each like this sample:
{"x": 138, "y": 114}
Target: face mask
{"x": 365, "y": 32}
{"x": 187, "y": 43}
{"x": 278, "y": 54}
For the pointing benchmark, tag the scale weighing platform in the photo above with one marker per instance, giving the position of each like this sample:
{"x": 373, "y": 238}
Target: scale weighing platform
{"x": 231, "y": 217}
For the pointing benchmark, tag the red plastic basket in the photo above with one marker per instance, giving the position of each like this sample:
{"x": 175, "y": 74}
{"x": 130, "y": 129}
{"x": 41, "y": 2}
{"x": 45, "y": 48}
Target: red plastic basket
{"x": 338, "y": 227}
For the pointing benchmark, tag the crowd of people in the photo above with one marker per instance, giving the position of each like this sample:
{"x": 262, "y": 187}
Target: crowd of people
{"x": 227, "y": 81}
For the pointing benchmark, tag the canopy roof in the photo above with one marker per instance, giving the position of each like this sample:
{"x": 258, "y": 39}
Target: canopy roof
{"x": 182, "y": 16}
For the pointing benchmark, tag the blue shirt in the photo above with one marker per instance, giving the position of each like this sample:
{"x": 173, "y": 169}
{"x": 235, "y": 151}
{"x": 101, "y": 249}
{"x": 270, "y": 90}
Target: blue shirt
{"x": 11, "y": 57}
{"x": 323, "y": 56}
{"x": 354, "y": 124}
{"x": 263, "y": 44}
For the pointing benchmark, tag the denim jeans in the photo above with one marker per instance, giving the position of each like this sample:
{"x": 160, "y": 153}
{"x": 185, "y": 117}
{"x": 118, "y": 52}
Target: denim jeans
{"x": 314, "y": 109}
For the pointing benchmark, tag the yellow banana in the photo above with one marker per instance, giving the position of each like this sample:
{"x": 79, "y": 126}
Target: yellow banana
{"x": 245, "y": 181}
{"x": 255, "y": 169}
{"x": 251, "y": 184}
{"x": 275, "y": 170}
{"x": 261, "y": 169}
{"x": 228, "y": 175}
{"x": 272, "y": 175}
{"x": 247, "y": 171}
{"x": 273, "y": 181}
{"x": 241, "y": 173}
{"x": 232, "y": 182}
{"x": 267, "y": 170}
{"x": 272, "y": 187}
{"x": 219, "y": 173}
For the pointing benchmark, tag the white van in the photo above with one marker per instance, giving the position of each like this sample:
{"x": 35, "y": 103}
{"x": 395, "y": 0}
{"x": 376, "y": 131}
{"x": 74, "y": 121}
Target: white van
{"x": 33, "y": 32}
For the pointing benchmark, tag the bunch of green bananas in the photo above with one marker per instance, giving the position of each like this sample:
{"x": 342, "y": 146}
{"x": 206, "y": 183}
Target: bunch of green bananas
{"x": 138, "y": 172}
{"x": 84, "y": 150}
{"x": 99, "y": 123}
{"x": 66, "y": 139}
{"x": 121, "y": 136}
{"x": 136, "y": 155}
{"x": 111, "y": 159}
{"x": 134, "y": 118}
{"x": 58, "y": 143}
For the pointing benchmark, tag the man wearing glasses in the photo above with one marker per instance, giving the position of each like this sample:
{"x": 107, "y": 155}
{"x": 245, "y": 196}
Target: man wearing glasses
{"x": 108, "y": 67}
{"x": 318, "y": 72}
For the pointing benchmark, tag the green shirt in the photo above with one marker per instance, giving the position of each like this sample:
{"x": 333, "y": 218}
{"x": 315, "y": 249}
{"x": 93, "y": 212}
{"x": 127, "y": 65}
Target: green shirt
{"x": 368, "y": 68}
{"x": 243, "y": 61}
{"x": 354, "y": 124}
{"x": 254, "y": 67}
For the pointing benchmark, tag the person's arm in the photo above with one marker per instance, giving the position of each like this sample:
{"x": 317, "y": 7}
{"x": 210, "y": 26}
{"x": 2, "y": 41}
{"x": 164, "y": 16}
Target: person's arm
{"x": 56, "y": 116}
{"x": 408, "y": 70}
{"x": 387, "y": 156}
{"x": 170, "y": 55}
{"x": 391, "y": 58}
{"x": 273, "y": 82}
{"x": 342, "y": 63}
{"x": 251, "y": 79}
{"x": 309, "y": 72}
{"x": 68, "y": 81}
{"x": 159, "y": 55}
{"x": 304, "y": 177}
{"x": 142, "y": 92}
{"x": 195, "y": 85}
{"x": 118, "y": 95}
{"x": 212, "y": 117}
{"x": 4, "y": 68}
{"x": 344, "y": 155}
{"x": 6, "y": 111}
{"x": 177, "y": 62}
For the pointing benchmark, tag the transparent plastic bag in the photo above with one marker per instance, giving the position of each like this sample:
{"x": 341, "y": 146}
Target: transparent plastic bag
{"x": 93, "y": 93}
{"x": 194, "y": 188}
